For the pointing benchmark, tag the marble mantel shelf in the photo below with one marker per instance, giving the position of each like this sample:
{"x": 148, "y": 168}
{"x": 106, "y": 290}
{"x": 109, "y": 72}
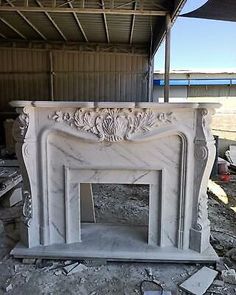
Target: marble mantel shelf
{"x": 85, "y": 104}
{"x": 64, "y": 147}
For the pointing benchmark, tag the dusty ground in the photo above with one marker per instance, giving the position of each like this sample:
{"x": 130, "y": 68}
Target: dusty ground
{"x": 46, "y": 277}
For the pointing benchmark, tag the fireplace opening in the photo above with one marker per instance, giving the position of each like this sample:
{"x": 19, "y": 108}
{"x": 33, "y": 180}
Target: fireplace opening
{"x": 115, "y": 212}
{"x": 121, "y": 203}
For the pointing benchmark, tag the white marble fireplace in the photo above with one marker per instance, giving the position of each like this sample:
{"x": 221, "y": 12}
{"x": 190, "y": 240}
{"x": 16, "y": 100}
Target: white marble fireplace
{"x": 64, "y": 147}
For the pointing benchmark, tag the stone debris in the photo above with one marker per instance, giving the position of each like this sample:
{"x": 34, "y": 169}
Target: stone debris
{"x": 149, "y": 272}
{"x": 157, "y": 293}
{"x": 58, "y": 272}
{"x": 48, "y": 264}
{"x": 26, "y": 275}
{"x": 28, "y": 260}
{"x": 229, "y": 276}
{"x": 74, "y": 268}
{"x": 218, "y": 283}
{"x": 1, "y": 227}
{"x": 82, "y": 281}
{"x": 220, "y": 265}
{"x": 94, "y": 262}
{"x": 199, "y": 282}
{"x": 232, "y": 254}
{"x": 27, "y": 278}
{"x": 8, "y": 288}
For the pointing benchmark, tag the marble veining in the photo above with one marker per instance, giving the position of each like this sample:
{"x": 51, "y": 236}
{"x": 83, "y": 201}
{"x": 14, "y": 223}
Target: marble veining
{"x": 64, "y": 146}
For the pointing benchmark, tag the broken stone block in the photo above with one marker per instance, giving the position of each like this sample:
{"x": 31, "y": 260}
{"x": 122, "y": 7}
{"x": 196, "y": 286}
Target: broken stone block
{"x": 229, "y": 276}
{"x": 12, "y": 197}
{"x": 73, "y": 268}
{"x": 199, "y": 282}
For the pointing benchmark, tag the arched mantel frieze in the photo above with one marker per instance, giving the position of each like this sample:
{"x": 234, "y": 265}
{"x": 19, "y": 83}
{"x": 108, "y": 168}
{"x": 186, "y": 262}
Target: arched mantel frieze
{"x": 114, "y": 125}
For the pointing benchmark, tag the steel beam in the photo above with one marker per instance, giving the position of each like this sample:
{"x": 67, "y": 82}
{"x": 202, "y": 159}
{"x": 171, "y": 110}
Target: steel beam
{"x": 158, "y": 38}
{"x": 51, "y": 20}
{"x": 105, "y": 22}
{"x": 27, "y": 21}
{"x": 13, "y": 28}
{"x": 167, "y": 60}
{"x": 132, "y": 25}
{"x": 78, "y": 22}
{"x": 83, "y": 10}
{"x": 3, "y": 36}
{"x": 51, "y": 75}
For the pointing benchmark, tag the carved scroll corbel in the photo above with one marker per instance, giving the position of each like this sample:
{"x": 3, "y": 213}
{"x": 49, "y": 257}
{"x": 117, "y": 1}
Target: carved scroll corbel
{"x": 20, "y": 133}
{"x": 204, "y": 152}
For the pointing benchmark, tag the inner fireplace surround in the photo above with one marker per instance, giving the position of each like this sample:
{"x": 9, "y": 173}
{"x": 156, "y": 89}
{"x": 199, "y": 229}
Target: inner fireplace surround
{"x": 64, "y": 147}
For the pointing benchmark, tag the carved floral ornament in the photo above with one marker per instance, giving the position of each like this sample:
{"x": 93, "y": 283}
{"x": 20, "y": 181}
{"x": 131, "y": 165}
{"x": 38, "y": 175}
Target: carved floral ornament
{"x": 202, "y": 217}
{"x": 113, "y": 124}
{"x": 27, "y": 208}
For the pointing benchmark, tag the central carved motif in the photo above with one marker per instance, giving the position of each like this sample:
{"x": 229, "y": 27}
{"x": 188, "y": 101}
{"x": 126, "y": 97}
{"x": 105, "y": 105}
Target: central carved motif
{"x": 113, "y": 124}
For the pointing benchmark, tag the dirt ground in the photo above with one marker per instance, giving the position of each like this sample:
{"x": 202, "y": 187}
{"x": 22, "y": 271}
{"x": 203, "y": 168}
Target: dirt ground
{"x": 100, "y": 277}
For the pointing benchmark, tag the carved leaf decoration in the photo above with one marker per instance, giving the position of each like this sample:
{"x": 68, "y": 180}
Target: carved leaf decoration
{"x": 113, "y": 124}
{"x": 202, "y": 218}
{"x": 169, "y": 117}
{"x": 58, "y": 116}
{"x": 83, "y": 120}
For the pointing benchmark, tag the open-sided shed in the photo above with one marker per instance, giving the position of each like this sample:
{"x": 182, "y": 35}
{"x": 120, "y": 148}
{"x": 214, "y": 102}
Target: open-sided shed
{"x": 81, "y": 50}
{"x": 100, "y": 54}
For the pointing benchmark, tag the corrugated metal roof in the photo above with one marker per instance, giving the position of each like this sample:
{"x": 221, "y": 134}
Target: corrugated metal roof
{"x": 80, "y": 21}
{"x": 19, "y": 24}
{"x": 94, "y": 28}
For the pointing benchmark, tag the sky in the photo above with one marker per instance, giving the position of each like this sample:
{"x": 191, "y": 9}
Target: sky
{"x": 199, "y": 44}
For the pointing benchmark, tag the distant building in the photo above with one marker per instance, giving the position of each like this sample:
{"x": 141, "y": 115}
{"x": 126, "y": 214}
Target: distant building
{"x": 188, "y": 85}
{"x": 208, "y": 86}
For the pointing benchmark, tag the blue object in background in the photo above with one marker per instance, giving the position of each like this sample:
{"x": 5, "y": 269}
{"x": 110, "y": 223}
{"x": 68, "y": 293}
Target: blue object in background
{"x": 195, "y": 82}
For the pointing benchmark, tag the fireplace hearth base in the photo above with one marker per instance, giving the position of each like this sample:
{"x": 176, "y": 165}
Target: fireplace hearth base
{"x": 115, "y": 243}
